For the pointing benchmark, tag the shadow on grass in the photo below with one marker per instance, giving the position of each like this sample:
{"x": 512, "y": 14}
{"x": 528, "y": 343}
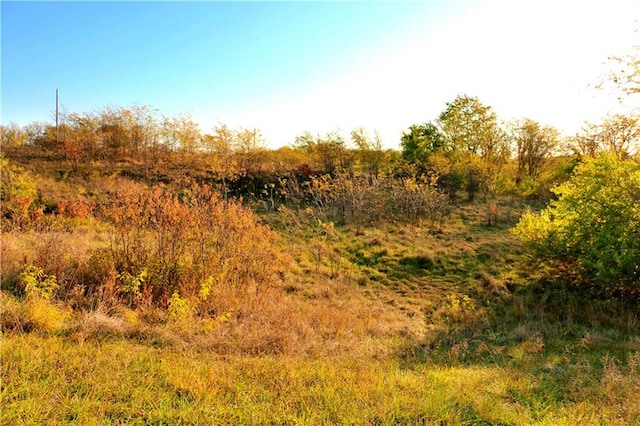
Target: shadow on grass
{"x": 559, "y": 337}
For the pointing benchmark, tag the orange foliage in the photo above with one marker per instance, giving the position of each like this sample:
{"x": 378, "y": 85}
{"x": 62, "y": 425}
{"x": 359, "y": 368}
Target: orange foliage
{"x": 78, "y": 208}
{"x": 191, "y": 242}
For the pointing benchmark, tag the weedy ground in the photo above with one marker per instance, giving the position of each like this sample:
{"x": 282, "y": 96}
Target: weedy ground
{"x": 390, "y": 323}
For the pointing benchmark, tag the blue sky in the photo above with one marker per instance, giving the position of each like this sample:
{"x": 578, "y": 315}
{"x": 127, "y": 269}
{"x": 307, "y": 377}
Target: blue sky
{"x": 287, "y": 67}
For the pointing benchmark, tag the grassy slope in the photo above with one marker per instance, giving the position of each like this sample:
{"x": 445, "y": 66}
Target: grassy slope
{"x": 371, "y": 327}
{"x": 52, "y": 380}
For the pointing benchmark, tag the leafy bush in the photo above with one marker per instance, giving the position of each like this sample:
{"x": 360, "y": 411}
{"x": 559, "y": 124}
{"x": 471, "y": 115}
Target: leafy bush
{"x": 36, "y": 283}
{"x": 18, "y": 193}
{"x": 179, "y": 310}
{"x": 165, "y": 243}
{"x": 594, "y": 225}
{"x": 75, "y": 209}
{"x": 37, "y": 311}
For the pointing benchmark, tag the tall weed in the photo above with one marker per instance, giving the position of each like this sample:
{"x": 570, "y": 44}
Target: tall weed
{"x": 187, "y": 242}
{"x": 363, "y": 200}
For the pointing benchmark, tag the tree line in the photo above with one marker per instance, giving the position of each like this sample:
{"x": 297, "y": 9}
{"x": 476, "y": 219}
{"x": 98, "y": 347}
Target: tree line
{"x": 466, "y": 148}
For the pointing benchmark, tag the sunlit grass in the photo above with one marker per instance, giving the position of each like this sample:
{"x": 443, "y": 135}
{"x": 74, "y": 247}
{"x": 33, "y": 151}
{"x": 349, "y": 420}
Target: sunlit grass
{"x": 50, "y": 380}
{"x": 394, "y": 324}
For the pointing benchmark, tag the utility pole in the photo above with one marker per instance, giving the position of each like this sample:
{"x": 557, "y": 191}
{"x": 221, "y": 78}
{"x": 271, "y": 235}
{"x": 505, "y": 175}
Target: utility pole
{"x": 56, "y": 116}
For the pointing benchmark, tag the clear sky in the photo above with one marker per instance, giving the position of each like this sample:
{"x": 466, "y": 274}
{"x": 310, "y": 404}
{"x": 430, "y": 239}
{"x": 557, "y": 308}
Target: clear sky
{"x": 287, "y": 67}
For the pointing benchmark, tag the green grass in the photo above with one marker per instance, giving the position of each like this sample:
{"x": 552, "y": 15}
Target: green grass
{"x": 50, "y": 380}
{"x": 393, "y": 324}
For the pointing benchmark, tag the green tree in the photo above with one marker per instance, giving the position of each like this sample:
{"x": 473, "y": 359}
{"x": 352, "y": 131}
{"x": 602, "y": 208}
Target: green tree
{"x": 587, "y": 142}
{"x": 41, "y": 134}
{"x": 144, "y": 127}
{"x": 594, "y": 225}
{"x": 109, "y": 133}
{"x": 181, "y": 132}
{"x": 114, "y": 131}
{"x": 222, "y": 145}
{"x": 250, "y": 149}
{"x": 471, "y": 126}
{"x": 82, "y": 133}
{"x": 420, "y": 141}
{"x": 479, "y": 147}
{"x": 333, "y": 153}
{"x": 305, "y": 142}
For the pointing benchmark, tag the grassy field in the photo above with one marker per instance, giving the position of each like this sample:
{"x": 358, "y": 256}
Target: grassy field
{"x": 386, "y": 324}
{"x": 53, "y": 380}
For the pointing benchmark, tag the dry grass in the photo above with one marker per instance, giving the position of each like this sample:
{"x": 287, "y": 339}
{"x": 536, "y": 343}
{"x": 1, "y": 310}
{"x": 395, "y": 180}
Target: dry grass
{"x": 52, "y": 380}
{"x": 389, "y": 325}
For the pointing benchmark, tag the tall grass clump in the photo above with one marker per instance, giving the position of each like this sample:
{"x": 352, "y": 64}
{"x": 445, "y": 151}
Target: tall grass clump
{"x": 364, "y": 199}
{"x": 191, "y": 243}
{"x": 37, "y": 312}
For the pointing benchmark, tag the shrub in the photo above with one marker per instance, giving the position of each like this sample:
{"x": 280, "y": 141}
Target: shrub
{"x": 364, "y": 199}
{"x": 75, "y": 209}
{"x": 179, "y": 311}
{"x": 17, "y": 193}
{"x": 36, "y": 283}
{"x": 594, "y": 225}
{"x": 130, "y": 285}
{"x": 460, "y": 310}
{"x": 187, "y": 239}
{"x": 37, "y": 312}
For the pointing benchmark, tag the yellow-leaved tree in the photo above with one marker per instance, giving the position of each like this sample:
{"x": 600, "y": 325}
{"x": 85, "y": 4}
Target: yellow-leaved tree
{"x": 594, "y": 225}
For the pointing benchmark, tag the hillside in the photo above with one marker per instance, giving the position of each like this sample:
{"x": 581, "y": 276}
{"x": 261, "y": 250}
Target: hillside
{"x": 437, "y": 318}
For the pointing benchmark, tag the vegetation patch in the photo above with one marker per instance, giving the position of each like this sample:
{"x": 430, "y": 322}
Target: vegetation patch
{"x": 152, "y": 274}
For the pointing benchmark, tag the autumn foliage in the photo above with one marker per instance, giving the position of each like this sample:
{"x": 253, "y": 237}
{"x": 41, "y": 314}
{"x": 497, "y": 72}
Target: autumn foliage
{"x": 190, "y": 243}
{"x": 365, "y": 199}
